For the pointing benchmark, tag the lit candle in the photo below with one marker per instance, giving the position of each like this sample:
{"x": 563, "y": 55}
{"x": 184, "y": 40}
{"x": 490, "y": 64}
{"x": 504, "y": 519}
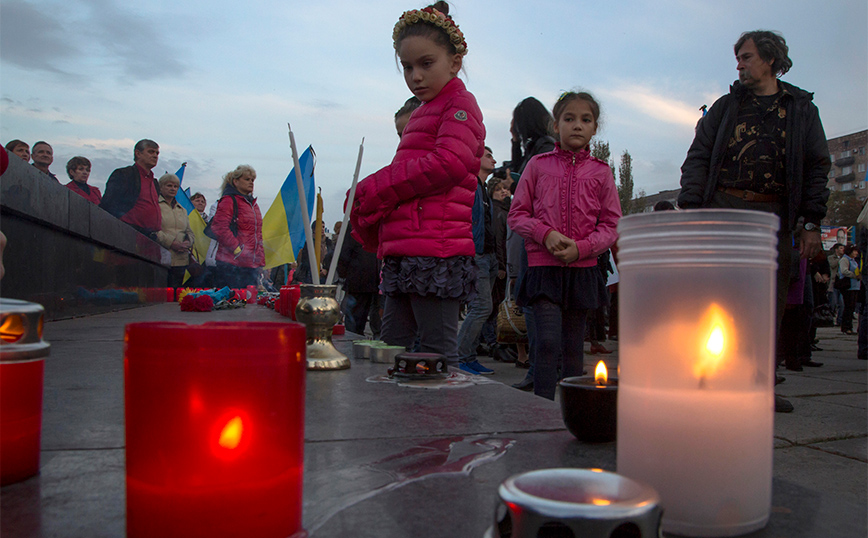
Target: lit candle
{"x": 214, "y": 429}
{"x": 589, "y": 405}
{"x": 708, "y": 437}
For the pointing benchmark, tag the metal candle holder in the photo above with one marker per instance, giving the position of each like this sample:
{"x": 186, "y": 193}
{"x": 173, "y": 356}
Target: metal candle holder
{"x": 590, "y": 503}
{"x": 319, "y": 311}
{"x": 419, "y": 366}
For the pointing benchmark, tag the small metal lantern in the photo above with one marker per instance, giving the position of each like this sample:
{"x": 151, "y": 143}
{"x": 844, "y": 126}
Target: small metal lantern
{"x": 590, "y": 503}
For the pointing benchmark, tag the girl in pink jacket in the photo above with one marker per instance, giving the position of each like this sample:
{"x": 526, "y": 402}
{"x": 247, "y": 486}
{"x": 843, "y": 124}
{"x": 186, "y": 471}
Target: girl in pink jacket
{"x": 566, "y": 207}
{"x": 416, "y": 212}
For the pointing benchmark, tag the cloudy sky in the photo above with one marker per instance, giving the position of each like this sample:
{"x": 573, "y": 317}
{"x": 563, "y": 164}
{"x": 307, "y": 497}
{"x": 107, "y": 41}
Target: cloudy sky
{"x": 215, "y": 83}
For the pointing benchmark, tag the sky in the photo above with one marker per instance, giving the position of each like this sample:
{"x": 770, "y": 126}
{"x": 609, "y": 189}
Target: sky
{"x": 215, "y": 83}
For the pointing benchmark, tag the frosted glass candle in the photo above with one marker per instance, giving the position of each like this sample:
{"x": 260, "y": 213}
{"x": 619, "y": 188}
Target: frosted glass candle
{"x": 696, "y": 400}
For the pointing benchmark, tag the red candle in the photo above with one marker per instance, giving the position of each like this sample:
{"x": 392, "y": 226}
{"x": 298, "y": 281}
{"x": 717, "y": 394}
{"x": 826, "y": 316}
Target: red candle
{"x": 294, "y": 297}
{"x": 215, "y": 429}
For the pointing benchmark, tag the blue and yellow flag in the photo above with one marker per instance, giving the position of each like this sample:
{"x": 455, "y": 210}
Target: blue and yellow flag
{"x": 283, "y": 225}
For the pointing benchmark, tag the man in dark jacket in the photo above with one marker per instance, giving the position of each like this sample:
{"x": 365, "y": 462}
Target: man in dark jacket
{"x": 132, "y": 193}
{"x": 762, "y": 147}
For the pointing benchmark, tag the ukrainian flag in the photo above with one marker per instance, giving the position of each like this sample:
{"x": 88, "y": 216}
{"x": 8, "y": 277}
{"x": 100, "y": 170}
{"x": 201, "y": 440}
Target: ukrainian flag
{"x": 283, "y": 225}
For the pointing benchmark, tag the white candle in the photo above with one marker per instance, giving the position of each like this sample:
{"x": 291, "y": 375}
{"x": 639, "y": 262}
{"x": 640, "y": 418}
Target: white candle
{"x": 302, "y": 199}
{"x": 700, "y": 430}
{"x": 668, "y": 440}
{"x": 352, "y": 196}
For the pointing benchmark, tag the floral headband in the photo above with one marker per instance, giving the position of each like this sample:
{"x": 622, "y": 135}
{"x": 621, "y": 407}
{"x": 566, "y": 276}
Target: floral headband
{"x": 438, "y": 19}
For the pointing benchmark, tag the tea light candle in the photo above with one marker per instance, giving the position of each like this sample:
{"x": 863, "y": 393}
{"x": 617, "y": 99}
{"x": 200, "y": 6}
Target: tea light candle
{"x": 590, "y": 405}
{"x": 219, "y": 450}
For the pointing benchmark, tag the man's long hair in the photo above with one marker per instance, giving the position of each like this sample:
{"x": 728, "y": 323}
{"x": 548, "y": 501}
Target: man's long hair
{"x": 771, "y": 46}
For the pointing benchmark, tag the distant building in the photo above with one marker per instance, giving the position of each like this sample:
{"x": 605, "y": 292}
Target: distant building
{"x": 849, "y": 162}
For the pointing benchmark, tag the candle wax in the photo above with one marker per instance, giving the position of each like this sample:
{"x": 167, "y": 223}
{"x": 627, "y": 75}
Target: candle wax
{"x": 668, "y": 439}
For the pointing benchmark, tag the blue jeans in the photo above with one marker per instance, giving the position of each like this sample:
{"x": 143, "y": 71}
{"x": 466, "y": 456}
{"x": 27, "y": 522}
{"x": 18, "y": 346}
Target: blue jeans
{"x": 358, "y": 309}
{"x": 836, "y": 301}
{"x": 435, "y": 320}
{"x": 480, "y": 308}
{"x": 560, "y": 340}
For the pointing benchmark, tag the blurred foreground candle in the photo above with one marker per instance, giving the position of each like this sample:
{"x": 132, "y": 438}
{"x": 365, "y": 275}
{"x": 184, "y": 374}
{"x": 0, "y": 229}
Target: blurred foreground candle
{"x": 214, "y": 429}
{"x": 22, "y": 366}
{"x": 696, "y": 400}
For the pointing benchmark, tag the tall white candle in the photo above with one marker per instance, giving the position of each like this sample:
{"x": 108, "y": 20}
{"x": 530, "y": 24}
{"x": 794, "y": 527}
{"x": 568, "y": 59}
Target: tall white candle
{"x": 302, "y": 199}
{"x": 352, "y": 196}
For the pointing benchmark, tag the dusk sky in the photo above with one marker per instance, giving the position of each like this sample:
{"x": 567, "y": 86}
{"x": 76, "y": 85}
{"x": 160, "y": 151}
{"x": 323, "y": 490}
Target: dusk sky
{"x": 215, "y": 83}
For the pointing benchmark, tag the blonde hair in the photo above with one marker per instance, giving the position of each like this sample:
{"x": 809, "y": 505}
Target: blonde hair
{"x": 230, "y": 177}
{"x": 165, "y": 178}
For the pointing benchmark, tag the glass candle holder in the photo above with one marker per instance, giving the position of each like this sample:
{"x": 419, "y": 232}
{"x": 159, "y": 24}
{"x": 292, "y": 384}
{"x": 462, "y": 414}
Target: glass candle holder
{"x": 22, "y": 368}
{"x": 695, "y": 398}
{"x": 214, "y": 429}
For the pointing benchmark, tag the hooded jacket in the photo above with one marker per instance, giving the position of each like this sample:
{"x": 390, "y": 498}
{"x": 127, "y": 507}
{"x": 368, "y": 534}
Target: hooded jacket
{"x": 249, "y": 230}
{"x": 420, "y": 205}
{"x": 807, "y": 154}
{"x": 572, "y": 193}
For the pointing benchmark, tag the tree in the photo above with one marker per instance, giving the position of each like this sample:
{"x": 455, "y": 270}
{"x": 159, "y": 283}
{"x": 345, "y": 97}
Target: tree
{"x": 625, "y": 185}
{"x": 600, "y": 150}
{"x": 842, "y": 209}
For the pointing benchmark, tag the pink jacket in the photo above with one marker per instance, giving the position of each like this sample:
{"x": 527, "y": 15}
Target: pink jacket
{"x": 420, "y": 204}
{"x": 249, "y": 230}
{"x": 574, "y": 194}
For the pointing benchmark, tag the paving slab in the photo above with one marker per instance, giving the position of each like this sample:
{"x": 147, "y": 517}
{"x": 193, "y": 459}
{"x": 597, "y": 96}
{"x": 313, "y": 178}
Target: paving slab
{"x": 800, "y": 385}
{"x": 855, "y": 448}
{"x": 814, "y": 421}
{"x": 858, "y": 400}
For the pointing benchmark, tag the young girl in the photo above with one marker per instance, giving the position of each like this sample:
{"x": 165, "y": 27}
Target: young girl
{"x": 416, "y": 212}
{"x": 566, "y": 207}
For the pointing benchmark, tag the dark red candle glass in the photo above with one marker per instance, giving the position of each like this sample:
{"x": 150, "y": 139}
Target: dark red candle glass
{"x": 214, "y": 429}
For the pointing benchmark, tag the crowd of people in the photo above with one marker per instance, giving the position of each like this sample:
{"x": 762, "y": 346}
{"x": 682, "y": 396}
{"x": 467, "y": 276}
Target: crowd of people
{"x": 442, "y": 232}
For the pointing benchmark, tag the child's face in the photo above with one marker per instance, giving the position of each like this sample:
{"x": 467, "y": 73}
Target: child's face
{"x": 427, "y": 66}
{"x": 576, "y": 125}
{"x": 501, "y": 192}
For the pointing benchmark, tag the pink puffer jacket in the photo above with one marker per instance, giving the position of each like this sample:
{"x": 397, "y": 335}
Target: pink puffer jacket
{"x": 249, "y": 230}
{"x": 572, "y": 193}
{"x": 420, "y": 204}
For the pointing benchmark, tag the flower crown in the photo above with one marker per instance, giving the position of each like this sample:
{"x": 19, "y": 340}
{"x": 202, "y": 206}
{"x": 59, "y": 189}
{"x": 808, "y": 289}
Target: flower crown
{"x": 438, "y": 19}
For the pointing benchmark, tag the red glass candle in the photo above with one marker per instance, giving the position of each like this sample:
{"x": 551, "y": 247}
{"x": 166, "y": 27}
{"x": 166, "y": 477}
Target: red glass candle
{"x": 214, "y": 429}
{"x": 294, "y": 297}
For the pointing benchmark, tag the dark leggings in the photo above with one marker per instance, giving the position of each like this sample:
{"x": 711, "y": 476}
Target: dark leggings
{"x": 560, "y": 337}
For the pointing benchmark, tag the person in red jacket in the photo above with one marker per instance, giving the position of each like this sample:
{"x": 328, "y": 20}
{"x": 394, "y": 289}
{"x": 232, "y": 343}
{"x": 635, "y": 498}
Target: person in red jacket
{"x": 78, "y": 170}
{"x": 416, "y": 212}
{"x": 237, "y": 223}
{"x": 566, "y": 207}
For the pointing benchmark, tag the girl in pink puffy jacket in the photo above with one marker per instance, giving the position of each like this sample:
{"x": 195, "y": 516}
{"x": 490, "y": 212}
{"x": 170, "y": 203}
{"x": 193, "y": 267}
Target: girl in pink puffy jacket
{"x": 416, "y": 212}
{"x": 566, "y": 207}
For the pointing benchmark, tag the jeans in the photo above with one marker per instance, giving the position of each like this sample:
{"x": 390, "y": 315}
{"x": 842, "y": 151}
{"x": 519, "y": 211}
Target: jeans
{"x": 434, "y": 319}
{"x": 235, "y": 277}
{"x": 560, "y": 340}
{"x": 480, "y": 308}
{"x": 836, "y": 302}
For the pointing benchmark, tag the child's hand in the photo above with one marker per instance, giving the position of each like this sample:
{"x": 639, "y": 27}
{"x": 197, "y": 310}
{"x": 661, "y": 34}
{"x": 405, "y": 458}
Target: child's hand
{"x": 569, "y": 254}
{"x": 556, "y": 241}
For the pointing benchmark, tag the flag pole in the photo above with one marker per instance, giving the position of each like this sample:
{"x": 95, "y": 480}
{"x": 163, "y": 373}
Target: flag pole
{"x": 302, "y": 199}
{"x": 334, "y": 264}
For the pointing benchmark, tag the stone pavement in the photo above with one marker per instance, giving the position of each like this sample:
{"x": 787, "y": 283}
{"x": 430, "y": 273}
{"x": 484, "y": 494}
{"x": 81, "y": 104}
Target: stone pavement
{"x": 820, "y": 466}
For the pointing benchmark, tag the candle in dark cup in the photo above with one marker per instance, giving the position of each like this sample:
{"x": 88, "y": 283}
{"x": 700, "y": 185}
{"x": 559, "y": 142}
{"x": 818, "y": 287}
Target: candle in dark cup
{"x": 590, "y": 405}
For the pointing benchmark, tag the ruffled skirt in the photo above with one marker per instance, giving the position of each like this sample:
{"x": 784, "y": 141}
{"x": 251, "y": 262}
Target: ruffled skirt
{"x": 569, "y": 287}
{"x": 447, "y": 278}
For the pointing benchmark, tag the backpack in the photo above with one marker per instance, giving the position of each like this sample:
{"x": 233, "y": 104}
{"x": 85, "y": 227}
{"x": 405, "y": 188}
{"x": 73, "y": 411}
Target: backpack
{"x": 233, "y": 224}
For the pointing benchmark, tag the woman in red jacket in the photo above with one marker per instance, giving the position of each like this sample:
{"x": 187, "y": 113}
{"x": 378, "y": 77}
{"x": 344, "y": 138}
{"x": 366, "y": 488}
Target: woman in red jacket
{"x": 416, "y": 212}
{"x": 237, "y": 223}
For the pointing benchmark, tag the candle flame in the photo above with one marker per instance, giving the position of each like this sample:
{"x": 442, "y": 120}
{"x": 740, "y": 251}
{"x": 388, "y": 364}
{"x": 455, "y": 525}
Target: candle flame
{"x": 601, "y": 375}
{"x": 718, "y": 327}
{"x": 601, "y": 502}
{"x": 230, "y": 437}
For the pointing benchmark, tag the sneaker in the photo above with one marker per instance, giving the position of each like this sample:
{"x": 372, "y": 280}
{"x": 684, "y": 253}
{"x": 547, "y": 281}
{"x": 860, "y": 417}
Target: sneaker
{"x": 464, "y": 367}
{"x": 479, "y": 369}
